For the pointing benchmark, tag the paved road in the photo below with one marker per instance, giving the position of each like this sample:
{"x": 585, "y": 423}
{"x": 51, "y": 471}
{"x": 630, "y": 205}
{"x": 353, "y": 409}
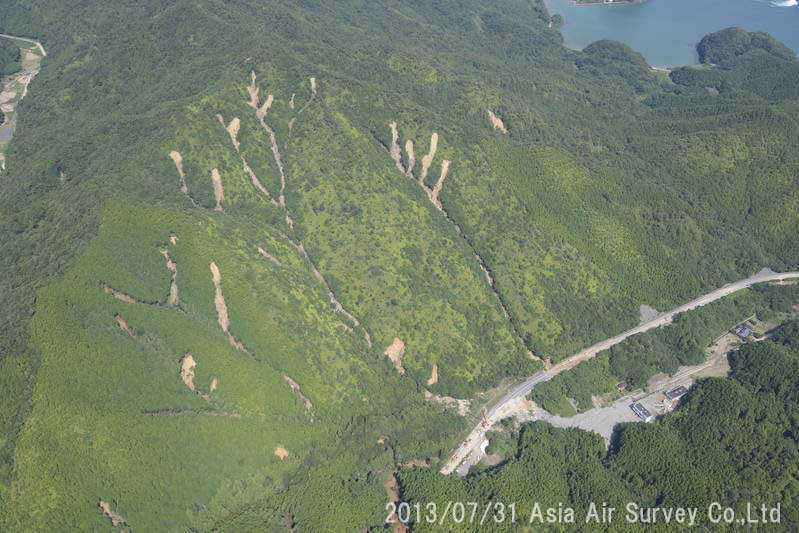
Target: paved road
{"x": 469, "y": 452}
{"x": 37, "y": 43}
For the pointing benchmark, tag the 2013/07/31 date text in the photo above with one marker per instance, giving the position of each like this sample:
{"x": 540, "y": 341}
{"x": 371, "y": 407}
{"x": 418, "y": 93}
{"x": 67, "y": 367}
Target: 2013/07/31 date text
{"x": 453, "y": 512}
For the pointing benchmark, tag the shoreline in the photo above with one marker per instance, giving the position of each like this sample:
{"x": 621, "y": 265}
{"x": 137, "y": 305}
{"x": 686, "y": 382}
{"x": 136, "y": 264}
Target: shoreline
{"x": 553, "y": 9}
{"x": 666, "y": 33}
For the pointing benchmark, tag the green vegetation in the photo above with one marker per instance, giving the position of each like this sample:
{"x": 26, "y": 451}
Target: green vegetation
{"x": 665, "y": 349}
{"x": 725, "y": 47}
{"x": 615, "y": 186}
{"x": 748, "y": 63}
{"x": 9, "y": 58}
{"x": 503, "y": 440}
{"x": 733, "y": 441}
{"x": 594, "y": 377}
{"x": 97, "y": 384}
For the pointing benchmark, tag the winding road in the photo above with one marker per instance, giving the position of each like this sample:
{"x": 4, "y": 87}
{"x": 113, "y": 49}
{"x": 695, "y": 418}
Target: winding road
{"x": 470, "y": 452}
{"x": 25, "y": 39}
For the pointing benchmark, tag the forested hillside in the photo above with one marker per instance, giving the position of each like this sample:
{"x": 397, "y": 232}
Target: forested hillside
{"x": 9, "y": 58}
{"x": 732, "y": 441}
{"x": 683, "y": 343}
{"x": 256, "y": 251}
{"x": 753, "y": 62}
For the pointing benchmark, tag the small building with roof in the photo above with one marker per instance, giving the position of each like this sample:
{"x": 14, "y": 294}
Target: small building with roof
{"x": 642, "y": 412}
{"x": 743, "y": 332}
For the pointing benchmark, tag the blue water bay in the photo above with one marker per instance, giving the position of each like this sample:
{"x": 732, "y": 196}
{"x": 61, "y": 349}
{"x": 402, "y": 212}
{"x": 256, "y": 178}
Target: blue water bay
{"x": 666, "y": 31}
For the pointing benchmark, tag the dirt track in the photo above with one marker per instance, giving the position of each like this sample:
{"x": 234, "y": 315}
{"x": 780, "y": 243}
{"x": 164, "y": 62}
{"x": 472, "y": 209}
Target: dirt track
{"x": 31, "y": 41}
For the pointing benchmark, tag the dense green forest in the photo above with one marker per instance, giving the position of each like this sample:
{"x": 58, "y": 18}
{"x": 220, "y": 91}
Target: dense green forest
{"x": 614, "y": 186}
{"x": 726, "y": 47}
{"x": 120, "y": 420}
{"x": 665, "y": 349}
{"x": 9, "y": 57}
{"x": 746, "y": 62}
{"x": 732, "y": 441}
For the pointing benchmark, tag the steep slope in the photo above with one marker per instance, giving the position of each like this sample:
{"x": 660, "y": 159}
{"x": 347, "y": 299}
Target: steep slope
{"x": 257, "y": 133}
{"x": 179, "y": 405}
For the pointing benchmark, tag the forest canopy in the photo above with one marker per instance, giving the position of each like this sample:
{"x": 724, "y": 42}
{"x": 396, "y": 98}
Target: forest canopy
{"x": 9, "y": 58}
{"x": 367, "y": 296}
{"x": 725, "y": 47}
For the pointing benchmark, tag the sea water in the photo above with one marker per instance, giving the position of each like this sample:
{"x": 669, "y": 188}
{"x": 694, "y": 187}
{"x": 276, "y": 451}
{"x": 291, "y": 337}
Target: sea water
{"x": 666, "y": 31}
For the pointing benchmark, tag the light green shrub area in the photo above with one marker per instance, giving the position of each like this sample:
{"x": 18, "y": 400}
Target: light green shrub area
{"x": 89, "y": 436}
